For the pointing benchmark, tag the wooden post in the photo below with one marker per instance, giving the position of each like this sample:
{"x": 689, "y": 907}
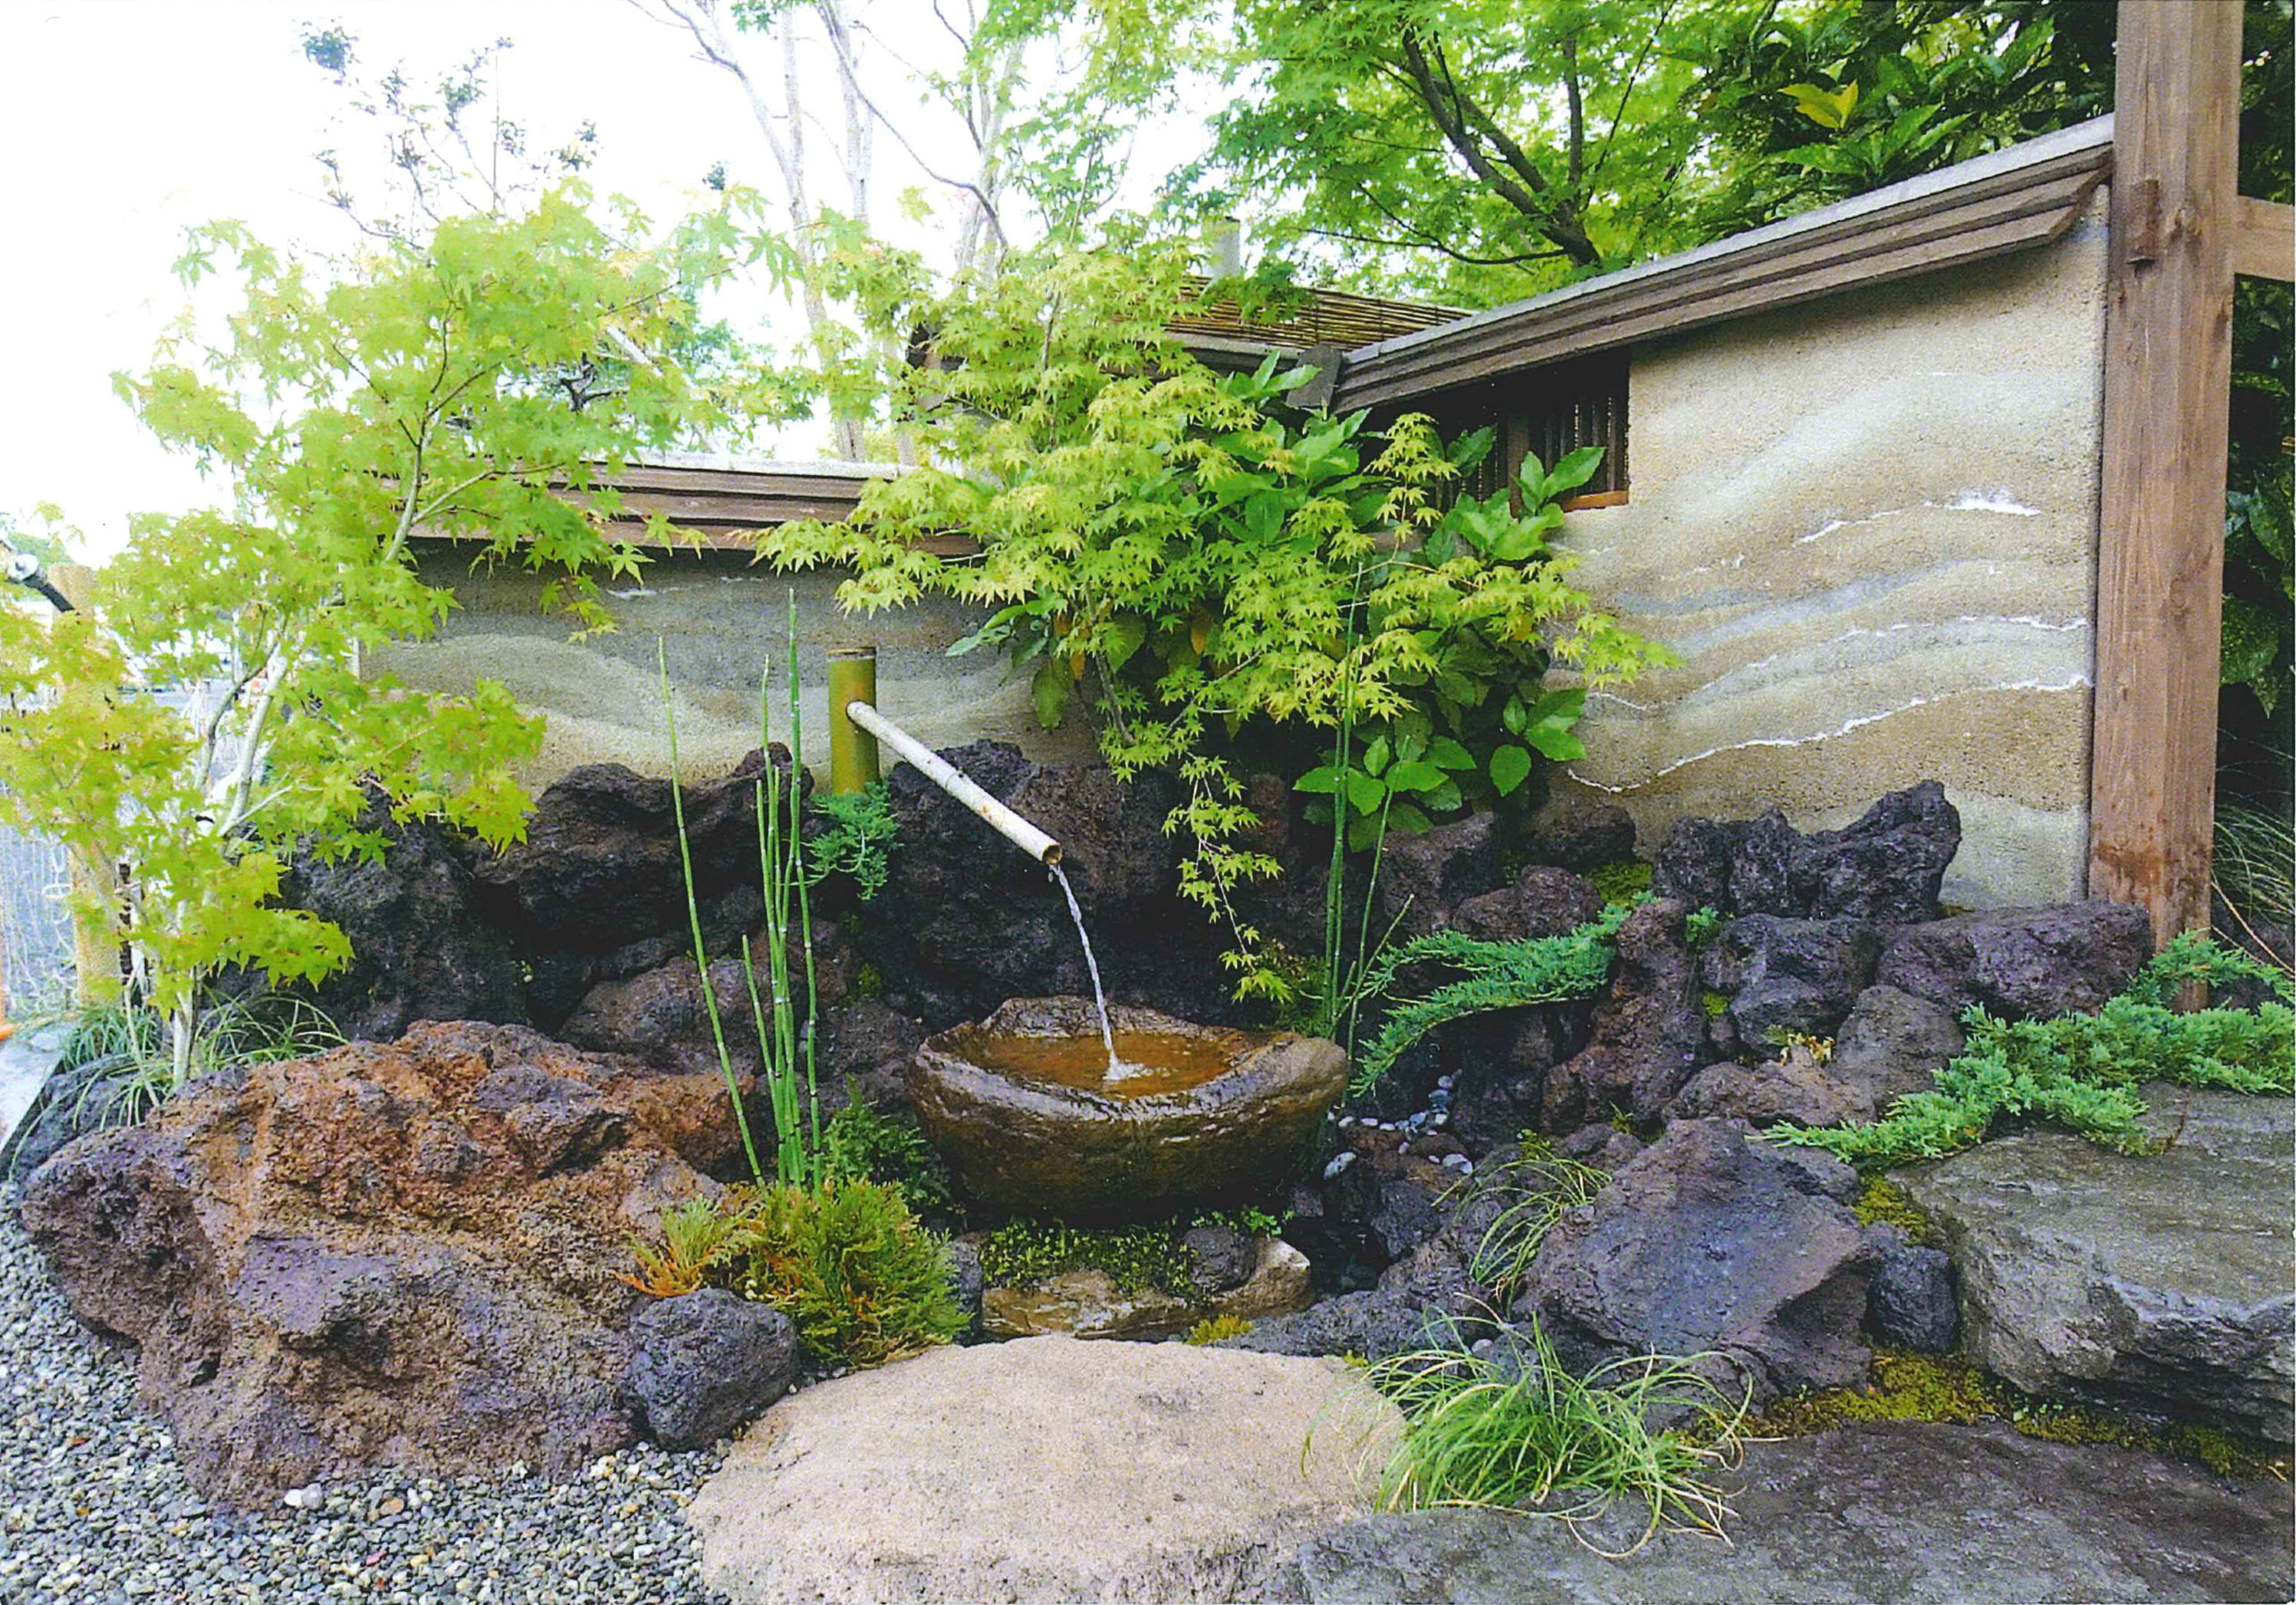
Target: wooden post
{"x": 2167, "y": 378}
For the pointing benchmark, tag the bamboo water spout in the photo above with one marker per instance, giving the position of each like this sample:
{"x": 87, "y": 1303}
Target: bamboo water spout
{"x": 954, "y": 780}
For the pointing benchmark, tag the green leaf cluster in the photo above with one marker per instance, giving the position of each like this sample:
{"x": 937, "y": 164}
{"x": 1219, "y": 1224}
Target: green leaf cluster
{"x": 852, "y": 1266}
{"x": 857, "y": 838}
{"x": 2081, "y": 1071}
{"x": 861, "y": 1142}
{"x": 1498, "y": 975}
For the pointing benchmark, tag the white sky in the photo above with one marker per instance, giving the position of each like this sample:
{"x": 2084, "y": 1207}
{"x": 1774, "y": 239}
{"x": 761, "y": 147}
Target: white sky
{"x": 124, "y": 121}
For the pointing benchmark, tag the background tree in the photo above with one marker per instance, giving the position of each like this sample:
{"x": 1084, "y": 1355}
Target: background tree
{"x": 212, "y": 705}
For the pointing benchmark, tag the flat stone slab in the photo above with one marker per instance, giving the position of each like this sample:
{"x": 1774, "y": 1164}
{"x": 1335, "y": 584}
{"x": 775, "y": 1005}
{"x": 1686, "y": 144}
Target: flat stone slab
{"x": 1044, "y": 1470}
{"x": 2163, "y": 1284}
{"x": 1913, "y": 1514}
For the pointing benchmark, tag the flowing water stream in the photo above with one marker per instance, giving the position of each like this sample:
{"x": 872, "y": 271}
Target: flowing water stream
{"x": 1116, "y": 1067}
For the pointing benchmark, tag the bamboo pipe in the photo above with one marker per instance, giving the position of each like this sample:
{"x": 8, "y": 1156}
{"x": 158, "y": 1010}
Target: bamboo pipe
{"x": 852, "y": 751}
{"x": 952, "y": 780}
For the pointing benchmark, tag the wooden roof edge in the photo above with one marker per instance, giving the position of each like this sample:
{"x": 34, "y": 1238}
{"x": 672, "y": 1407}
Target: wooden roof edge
{"x": 1414, "y": 363}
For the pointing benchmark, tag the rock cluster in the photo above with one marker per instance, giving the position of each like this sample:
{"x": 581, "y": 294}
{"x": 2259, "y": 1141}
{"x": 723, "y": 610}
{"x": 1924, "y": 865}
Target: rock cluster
{"x": 406, "y": 1254}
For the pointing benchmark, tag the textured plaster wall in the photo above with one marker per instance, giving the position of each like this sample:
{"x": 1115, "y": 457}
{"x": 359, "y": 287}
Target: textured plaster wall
{"x": 720, "y": 620}
{"x": 1868, "y": 525}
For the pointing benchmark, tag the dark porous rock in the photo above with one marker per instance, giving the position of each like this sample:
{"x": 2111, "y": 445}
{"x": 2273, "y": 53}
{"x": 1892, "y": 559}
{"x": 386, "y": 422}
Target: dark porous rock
{"x": 965, "y": 921}
{"x": 404, "y": 1254}
{"x": 1914, "y": 1513}
{"x": 726, "y": 920}
{"x": 1581, "y": 838}
{"x": 1911, "y": 1301}
{"x": 1892, "y": 1043}
{"x": 1712, "y": 1239}
{"x": 1373, "y": 1324}
{"x": 1423, "y": 877}
{"x": 1693, "y": 864}
{"x": 1790, "y": 974}
{"x": 966, "y": 1278}
{"x": 97, "y": 1095}
{"x": 1406, "y": 1216}
{"x": 422, "y": 947}
{"x": 599, "y": 867}
{"x": 1793, "y": 1088}
{"x": 2021, "y": 964}
{"x": 1648, "y": 1029}
{"x": 2161, "y": 1284}
{"x": 1020, "y": 1140}
{"x": 1886, "y": 867}
{"x": 705, "y": 1362}
{"x": 1761, "y": 862}
{"x": 662, "y": 1017}
{"x": 1540, "y": 902}
{"x": 865, "y": 1045}
{"x": 1601, "y": 1145}
{"x": 1494, "y": 1106}
{"x": 556, "y": 984}
{"x": 1220, "y": 1258}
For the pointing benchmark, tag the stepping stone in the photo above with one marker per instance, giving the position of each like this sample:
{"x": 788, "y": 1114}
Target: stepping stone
{"x": 2162, "y": 1284}
{"x": 1915, "y": 1514}
{"x": 1044, "y": 1470}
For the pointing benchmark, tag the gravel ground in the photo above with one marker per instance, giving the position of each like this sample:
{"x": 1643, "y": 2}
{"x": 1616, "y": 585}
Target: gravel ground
{"x": 94, "y": 1507}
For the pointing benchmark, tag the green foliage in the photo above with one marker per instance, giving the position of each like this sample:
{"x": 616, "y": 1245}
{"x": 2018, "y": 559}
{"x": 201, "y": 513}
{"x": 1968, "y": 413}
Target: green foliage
{"x": 1929, "y": 1387}
{"x": 341, "y": 413}
{"x": 1716, "y": 1005}
{"x": 1700, "y": 927}
{"x": 1499, "y": 975}
{"x": 862, "y": 1144}
{"x": 850, "y": 1265}
{"x": 700, "y": 1236}
{"x": 1622, "y": 882}
{"x": 1137, "y": 1258}
{"x": 1213, "y": 1328}
{"x": 1534, "y": 1438}
{"x": 2255, "y": 869}
{"x": 861, "y": 834}
{"x": 2080, "y": 1071}
{"x": 1540, "y": 1188}
{"x": 1213, "y": 573}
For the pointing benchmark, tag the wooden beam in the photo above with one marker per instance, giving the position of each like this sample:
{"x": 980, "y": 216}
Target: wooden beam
{"x": 2168, "y": 376}
{"x": 2264, "y": 239}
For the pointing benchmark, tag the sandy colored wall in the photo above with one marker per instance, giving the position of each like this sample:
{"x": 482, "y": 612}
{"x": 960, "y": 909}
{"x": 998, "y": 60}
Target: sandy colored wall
{"x": 1868, "y": 526}
{"x": 720, "y": 619}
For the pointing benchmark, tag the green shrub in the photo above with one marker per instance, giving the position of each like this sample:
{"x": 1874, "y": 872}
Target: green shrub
{"x": 1532, "y": 1437}
{"x": 1212, "y": 1329}
{"x": 862, "y": 1144}
{"x": 858, "y": 841}
{"x": 1500, "y": 975}
{"x": 849, "y": 1264}
{"x": 2080, "y": 1071}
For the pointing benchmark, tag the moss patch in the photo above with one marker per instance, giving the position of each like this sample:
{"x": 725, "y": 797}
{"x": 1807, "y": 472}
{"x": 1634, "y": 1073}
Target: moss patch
{"x": 1021, "y": 1252}
{"x": 1622, "y": 881}
{"x": 1716, "y": 1003}
{"x": 1213, "y": 1328}
{"x": 1928, "y": 1387}
{"x": 1881, "y": 1201}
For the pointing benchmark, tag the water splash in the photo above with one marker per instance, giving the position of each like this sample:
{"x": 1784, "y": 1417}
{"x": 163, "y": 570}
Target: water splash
{"x": 1116, "y": 1066}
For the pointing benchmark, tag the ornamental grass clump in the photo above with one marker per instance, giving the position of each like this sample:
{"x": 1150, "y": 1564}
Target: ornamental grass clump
{"x": 1526, "y": 1436}
{"x": 2081, "y": 1071}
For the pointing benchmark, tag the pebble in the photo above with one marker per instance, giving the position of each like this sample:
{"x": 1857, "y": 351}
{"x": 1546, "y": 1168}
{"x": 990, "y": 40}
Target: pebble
{"x": 93, "y": 1506}
{"x": 1339, "y": 1161}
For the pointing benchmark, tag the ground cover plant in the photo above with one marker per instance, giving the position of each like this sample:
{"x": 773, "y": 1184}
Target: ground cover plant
{"x": 2081, "y": 1071}
{"x": 1516, "y": 1430}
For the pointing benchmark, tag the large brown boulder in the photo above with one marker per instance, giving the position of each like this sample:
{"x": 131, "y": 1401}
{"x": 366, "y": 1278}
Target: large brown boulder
{"x": 405, "y": 1254}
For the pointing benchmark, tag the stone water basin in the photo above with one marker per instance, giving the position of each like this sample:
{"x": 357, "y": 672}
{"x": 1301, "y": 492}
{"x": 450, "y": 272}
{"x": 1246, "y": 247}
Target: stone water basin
{"x": 1022, "y": 1106}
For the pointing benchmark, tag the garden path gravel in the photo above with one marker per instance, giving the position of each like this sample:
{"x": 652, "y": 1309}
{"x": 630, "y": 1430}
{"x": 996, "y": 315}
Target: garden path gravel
{"x": 94, "y": 1509}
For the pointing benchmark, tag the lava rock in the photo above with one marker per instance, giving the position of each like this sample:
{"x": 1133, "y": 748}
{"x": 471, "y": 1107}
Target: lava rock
{"x": 1540, "y": 902}
{"x": 599, "y": 867}
{"x": 1581, "y": 838}
{"x": 1423, "y": 877}
{"x": 2158, "y": 1283}
{"x": 1602, "y": 1145}
{"x": 1712, "y": 1239}
{"x": 662, "y": 1017}
{"x": 1892, "y": 1043}
{"x": 1406, "y": 1216}
{"x": 2021, "y": 964}
{"x": 95, "y": 1095}
{"x": 1793, "y": 1088}
{"x": 1220, "y": 1258}
{"x": 705, "y": 1362}
{"x": 1762, "y": 853}
{"x": 422, "y": 947}
{"x": 1648, "y": 1029}
{"x": 1911, "y": 1302}
{"x": 407, "y": 1254}
{"x": 1886, "y": 867}
{"x": 1790, "y": 975}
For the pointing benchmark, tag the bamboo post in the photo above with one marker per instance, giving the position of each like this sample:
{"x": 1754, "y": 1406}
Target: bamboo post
{"x": 2168, "y": 374}
{"x": 852, "y": 762}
